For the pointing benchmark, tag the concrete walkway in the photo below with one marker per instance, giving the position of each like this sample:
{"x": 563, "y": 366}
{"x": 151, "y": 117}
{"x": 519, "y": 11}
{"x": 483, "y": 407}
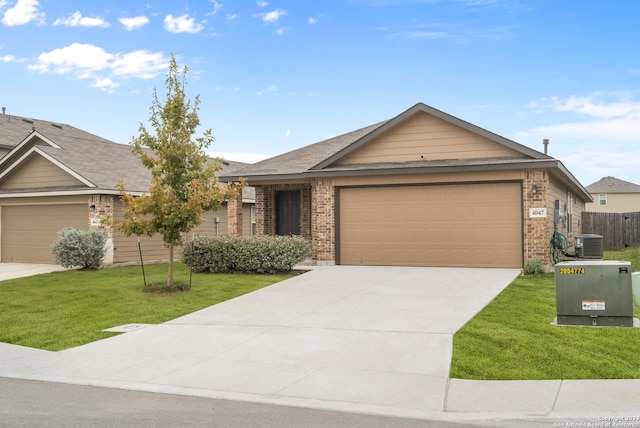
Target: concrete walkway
{"x": 361, "y": 339}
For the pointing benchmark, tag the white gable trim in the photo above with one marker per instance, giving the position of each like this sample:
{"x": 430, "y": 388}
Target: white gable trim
{"x": 34, "y": 134}
{"x": 54, "y": 161}
{"x": 420, "y": 107}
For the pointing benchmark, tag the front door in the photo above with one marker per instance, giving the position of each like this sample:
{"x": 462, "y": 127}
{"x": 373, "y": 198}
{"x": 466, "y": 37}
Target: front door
{"x": 288, "y": 212}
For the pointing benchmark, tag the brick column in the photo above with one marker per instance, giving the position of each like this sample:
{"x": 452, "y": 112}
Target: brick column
{"x": 234, "y": 216}
{"x": 323, "y": 237}
{"x": 100, "y": 208}
{"x": 536, "y": 229}
{"x": 265, "y": 210}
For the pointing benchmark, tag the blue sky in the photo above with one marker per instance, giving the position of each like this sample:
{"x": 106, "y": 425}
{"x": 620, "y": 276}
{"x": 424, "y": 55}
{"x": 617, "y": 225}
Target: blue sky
{"x": 275, "y": 75}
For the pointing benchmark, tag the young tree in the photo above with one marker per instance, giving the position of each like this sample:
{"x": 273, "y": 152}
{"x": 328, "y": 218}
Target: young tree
{"x": 183, "y": 180}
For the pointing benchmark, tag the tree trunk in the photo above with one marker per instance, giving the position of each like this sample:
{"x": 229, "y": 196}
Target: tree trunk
{"x": 170, "y": 274}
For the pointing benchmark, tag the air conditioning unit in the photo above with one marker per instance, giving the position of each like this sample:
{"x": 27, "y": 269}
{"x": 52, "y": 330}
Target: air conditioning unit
{"x": 589, "y": 246}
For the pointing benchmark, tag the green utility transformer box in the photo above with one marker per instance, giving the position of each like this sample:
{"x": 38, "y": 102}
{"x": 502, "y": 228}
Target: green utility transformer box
{"x": 594, "y": 292}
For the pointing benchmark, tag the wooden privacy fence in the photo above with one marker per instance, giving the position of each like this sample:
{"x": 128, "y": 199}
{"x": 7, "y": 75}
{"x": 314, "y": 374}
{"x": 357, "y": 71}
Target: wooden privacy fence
{"x": 618, "y": 230}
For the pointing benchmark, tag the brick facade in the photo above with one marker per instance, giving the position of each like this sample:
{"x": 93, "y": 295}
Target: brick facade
{"x": 323, "y": 221}
{"x": 536, "y": 229}
{"x": 266, "y": 217}
{"x": 234, "y": 216}
{"x": 317, "y": 218}
{"x": 101, "y": 207}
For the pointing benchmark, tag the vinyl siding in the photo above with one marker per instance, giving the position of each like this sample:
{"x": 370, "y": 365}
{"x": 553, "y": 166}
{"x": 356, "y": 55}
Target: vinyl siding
{"x": 423, "y": 136}
{"x": 616, "y": 203}
{"x": 126, "y": 248}
{"x": 38, "y": 172}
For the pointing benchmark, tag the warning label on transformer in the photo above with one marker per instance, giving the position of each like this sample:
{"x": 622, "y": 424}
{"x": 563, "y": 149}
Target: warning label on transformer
{"x": 593, "y": 305}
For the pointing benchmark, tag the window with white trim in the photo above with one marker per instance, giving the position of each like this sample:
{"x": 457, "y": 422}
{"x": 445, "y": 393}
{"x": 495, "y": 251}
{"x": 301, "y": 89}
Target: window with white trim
{"x": 569, "y": 213}
{"x": 602, "y": 197}
{"x": 253, "y": 219}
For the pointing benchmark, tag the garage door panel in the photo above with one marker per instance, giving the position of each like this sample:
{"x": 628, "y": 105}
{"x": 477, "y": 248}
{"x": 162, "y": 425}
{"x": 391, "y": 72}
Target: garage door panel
{"x": 28, "y": 231}
{"x": 442, "y": 225}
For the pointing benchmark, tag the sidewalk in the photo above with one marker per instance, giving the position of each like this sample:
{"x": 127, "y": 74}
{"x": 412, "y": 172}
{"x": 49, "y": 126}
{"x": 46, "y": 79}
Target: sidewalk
{"x": 355, "y": 339}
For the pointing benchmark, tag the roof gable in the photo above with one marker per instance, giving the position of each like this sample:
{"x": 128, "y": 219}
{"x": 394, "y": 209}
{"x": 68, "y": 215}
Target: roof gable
{"x": 93, "y": 160}
{"x": 422, "y": 136}
{"x": 613, "y": 185}
{"x": 36, "y": 169}
{"x": 444, "y": 118}
{"x": 33, "y": 139}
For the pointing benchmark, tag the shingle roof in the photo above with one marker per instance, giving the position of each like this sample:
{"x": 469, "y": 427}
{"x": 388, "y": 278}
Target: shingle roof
{"x": 96, "y": 159}
{"x": 319, "y": 157}
{"x": 305, "y": 158}
{"x": 613, "y": 185}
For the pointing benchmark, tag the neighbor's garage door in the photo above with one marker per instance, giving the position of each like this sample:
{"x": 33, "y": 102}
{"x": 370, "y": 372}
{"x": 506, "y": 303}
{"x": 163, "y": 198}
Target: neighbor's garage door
{"x": 29, "y": 230}
{"x": 465, "y": 225}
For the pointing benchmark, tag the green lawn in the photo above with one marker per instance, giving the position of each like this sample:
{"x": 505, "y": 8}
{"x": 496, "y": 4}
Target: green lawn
{"x": 65, "y": 309}
{"x": 512, "y": 338}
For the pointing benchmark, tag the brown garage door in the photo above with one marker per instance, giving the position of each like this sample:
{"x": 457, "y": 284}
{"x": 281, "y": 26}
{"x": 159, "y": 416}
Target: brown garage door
{"x": 464, "y": 225}
{"x": 29, "y": 230}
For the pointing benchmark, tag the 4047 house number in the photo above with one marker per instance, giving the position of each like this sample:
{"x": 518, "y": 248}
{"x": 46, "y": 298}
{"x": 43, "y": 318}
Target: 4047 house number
{"x": 537, "y": 213}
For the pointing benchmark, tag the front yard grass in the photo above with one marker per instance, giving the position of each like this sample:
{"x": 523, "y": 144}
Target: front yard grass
{"x": 512, "y": 338}
{"x": 61, "y": 310}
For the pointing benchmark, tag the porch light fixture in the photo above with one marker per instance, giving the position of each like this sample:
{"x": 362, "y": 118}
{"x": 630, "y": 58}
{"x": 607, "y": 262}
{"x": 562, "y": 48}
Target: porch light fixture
{"x": 534, "y": 189}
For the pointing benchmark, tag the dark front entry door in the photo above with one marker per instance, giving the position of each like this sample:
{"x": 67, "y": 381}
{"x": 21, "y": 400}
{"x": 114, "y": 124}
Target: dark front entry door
{"x": 288, "y": 212}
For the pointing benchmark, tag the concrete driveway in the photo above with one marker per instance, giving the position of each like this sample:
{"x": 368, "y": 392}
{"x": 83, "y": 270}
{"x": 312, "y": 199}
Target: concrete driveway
{"x": 19, "y": 270}
{"x": 353, "y": 338}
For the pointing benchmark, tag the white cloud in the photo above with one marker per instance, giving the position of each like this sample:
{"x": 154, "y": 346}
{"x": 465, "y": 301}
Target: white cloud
{"x": 281, "y": 31}
{"x": 77, "y": 20}
{"x": 600, "y": 115}
{"x": 77, "y": 57}
{"x": 594, "y": 135}
{"x": 134, "y": 23}
{"x": 287, "y": 133}
{"x": 232, "y": 16}
{"x": 262, "y": 3}
{"x": 140, "y": 64}
{"x": 312, "y": 20}
{"x": 588, "y": 166}
{"x": 428, "y": 35}
{"x": 182, "y": 24}
{"x": 22, "y": 13}
{"x": 11, "y": 58}
{"x": 216, "y": 7}
{"x": 106, "y": 85}
{"x": 272, "y": 88}
{"x": 597, "y": 105}
{"x": 273, "y": 16}
{"x": 85, "y": 61}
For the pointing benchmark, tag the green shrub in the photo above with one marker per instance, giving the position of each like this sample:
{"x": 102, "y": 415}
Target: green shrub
{"x": 534, "y": 267}
{"x": 250, "y": 254}
{"x": 77, "y": 248}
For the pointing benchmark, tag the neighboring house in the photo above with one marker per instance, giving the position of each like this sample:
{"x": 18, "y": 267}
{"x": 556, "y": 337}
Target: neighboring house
{"x": 612, "y": 195}
{"x": 422, "y": 189}
{"x": 54, "y": 176}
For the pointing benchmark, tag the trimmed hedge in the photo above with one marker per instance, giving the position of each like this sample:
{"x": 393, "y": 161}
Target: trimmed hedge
{"x": 249, "y": 254}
